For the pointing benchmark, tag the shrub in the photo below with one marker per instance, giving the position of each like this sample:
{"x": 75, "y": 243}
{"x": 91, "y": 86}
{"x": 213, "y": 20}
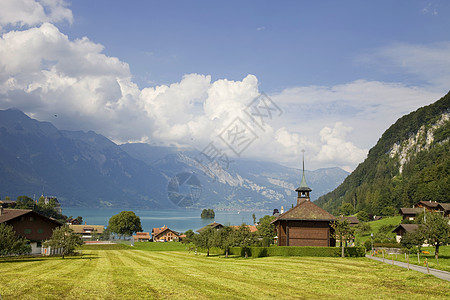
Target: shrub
{"x": 298, "y": 251}
{"x": 368, "y": 245}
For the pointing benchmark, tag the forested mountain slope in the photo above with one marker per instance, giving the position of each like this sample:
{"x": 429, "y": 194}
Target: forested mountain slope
{"x": 409, "y": 163}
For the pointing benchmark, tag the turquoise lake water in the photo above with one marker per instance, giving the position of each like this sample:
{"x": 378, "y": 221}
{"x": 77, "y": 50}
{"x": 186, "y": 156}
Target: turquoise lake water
{"x": 178, "y": 220}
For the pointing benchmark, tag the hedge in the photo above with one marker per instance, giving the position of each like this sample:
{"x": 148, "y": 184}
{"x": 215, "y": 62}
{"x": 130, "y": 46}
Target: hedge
{"x": 298, "y": 251}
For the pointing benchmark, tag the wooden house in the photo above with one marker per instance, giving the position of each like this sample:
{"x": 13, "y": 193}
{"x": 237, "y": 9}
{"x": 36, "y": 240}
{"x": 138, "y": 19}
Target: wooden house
{"x": 445, "y": 209}
{"x": 213, "y": 225}
{"x": 410, "y": 213}
{"x": 29, "y": 224}
{"x": 431, "y": 206}
{"x": 142, "y": 237}
{"x": 87, "y": 232}
{"x": 401, "y": 229}
{"x": 306, "y": 224}
{"x": 164, "y": 234}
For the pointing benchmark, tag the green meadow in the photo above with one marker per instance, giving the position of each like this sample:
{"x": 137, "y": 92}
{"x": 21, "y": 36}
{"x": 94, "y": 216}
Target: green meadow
{"x": 125, "y": 273}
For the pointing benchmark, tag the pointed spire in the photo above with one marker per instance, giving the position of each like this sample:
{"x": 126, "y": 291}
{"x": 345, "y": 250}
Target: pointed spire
{"x": 303, "y": 190}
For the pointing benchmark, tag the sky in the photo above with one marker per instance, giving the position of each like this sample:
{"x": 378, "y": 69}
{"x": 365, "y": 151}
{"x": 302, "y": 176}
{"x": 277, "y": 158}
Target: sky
{"x": 252, "y": 79}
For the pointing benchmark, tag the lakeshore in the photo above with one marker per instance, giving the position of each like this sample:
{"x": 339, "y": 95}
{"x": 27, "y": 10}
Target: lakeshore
{"x": 179, "y": 220}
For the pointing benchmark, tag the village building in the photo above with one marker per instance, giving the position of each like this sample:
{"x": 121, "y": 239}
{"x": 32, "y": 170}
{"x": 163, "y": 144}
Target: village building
{"x": 401, "y": 229}
{"x": 353, "y": 221}
{"x": 87, "y": 232}
{"x": 164, "y": 234}
{"x": 445, "y": 209}
{"x": 29, "y": 224}
{"x": 142, "y": 237}
{"x": 251, "y": 228}
{"x": 431, "y": 206}
{"x": 213, "y": 225}
{"x": 306, "y": 224}
{"x": 410, "y": 213}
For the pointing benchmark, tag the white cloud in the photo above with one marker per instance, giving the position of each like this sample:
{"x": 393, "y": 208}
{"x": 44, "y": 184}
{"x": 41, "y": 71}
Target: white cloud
{"x": 429, "y": 63}
{"x": 30, "y": 12}
{"x": 336, "y": 150}
{"x": 45, "y": 73}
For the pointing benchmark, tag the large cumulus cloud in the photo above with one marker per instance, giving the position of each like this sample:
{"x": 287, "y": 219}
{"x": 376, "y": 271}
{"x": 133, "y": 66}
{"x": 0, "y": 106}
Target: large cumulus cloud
{"x": 46, "y": 74}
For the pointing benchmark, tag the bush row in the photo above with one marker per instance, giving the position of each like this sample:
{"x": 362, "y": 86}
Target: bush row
{"x": 298, "y": 251}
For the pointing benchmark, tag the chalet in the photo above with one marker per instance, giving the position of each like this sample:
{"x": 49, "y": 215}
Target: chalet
{"x": 30, "y": 225}
{"x": 401, "y": 229}
{"x": 87, "y": 232}
{"x": 164, "y": 234}
{"x": 445, "y": 209}
{"x": 306, "y": 224}
{"x": 142, "y": 237}
{"x": 430, "y": 206}
{"x": 353, "y": 221}
{"x": 213, "y": 225}
{"x": 410, "y": 213}
{"x": 251, "y": 228}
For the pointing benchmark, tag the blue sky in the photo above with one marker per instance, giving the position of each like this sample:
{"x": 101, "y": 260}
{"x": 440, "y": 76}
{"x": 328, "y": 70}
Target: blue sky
{"x": 284, "y": 44}
{"x": 178, "y": 72}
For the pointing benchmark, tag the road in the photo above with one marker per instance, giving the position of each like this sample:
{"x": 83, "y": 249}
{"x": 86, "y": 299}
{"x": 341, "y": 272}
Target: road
{"x": 438, "y": 273}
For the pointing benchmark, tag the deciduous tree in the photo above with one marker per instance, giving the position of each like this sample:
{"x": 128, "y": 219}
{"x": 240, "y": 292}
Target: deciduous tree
{"x": 342, "y": 232}
{"x": 63, "y": 237}
{"x": 436, "y": 231}
{"x": 125, "y": 223}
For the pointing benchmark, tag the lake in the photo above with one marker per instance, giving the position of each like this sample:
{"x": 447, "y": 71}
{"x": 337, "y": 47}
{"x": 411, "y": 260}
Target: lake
{"x": 178, "y": 220}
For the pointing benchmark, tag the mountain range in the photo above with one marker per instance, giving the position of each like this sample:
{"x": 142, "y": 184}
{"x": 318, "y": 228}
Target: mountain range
{"x": 409, "y": 163}
{"x": 86, "y": 169}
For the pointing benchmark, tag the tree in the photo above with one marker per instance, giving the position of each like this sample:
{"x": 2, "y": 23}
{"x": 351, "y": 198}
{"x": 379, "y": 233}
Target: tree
{"x": 225, "y": 238}
{"x": 189, "y": 237}
{"x": 64, "y": 238}
{"x": 208, "y": 214}
{"x": 24, "y": 202}
{"x": 363, "y": 216}
{"x": 244, "y": 238}
{"x": 266, "y": 230}
{"x": 346, "y": 209}
{"x": 411, "y": 240}
{"x": 10, "y": 243}
{"x": 342, "y": 232}
{"x": 205, "y": 239}
{"x": 363, "y": 228}
{"x": 254, "y": 218}
{"x": 436, "y": 231}
{"x": 125, "y": 223}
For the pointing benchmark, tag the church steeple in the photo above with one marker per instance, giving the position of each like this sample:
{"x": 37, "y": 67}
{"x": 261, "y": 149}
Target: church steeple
{"x": 303, "y": 190}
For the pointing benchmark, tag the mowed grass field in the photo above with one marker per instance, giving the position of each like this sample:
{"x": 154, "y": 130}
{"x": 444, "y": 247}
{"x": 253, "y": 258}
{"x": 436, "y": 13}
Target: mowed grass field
{"x": 144, "y": 274}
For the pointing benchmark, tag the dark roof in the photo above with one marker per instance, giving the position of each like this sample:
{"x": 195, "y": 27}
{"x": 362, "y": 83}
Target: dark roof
{"x": 444, "y": 206}
{"x": 10, "y": 214}
{"x": 407, "y": 227}
{"x": 307, "y": 211}
{"x": 429, "y": 204}
{"x": 212, "y": 225}
{"x": 410, "y": 211}
{"x": 352, "y": 220}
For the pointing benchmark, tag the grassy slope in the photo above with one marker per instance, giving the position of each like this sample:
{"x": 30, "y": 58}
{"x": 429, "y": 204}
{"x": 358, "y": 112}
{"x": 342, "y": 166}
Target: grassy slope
{"x": 128, "y": 274}
{"x": 375, "y": 225}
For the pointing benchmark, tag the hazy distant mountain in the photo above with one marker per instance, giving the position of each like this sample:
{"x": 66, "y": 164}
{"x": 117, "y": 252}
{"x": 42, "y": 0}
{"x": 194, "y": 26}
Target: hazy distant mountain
{"x": 409, "y": 163}
{"x": 85, "y": 169}
{"x": 81, "y": 169}
{"x": 244, "y": 184}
